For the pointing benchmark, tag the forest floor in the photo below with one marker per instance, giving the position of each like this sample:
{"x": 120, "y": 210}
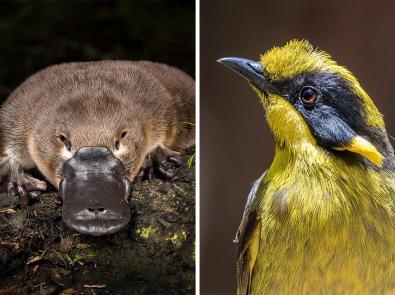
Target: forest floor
{"x": 153, "y": 254}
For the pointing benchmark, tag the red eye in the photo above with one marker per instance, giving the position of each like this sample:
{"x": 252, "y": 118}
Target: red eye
{"x": 308, "y": 96}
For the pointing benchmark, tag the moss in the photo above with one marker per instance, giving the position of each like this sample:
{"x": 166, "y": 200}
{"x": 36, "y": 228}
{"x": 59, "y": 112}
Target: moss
{"x": 178, "y": 238}
{"x": 145, "y": 232}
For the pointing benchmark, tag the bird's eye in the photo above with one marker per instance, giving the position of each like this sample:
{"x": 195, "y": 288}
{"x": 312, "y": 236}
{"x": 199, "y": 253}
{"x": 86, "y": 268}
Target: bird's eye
{"x": 308, "y": 96}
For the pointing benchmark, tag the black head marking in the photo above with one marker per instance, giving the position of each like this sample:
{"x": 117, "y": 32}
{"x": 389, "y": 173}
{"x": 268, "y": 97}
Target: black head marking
{"x": 338, "y": 112}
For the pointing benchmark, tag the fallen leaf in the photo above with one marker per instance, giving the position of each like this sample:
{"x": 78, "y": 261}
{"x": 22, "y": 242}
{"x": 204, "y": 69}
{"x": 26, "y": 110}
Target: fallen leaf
{"x": 7, "y": 211}
{"x": 66, "y": 244}
{"x": 15, "y": 245}
{"x": 95, "y": 286}
{"x": 33, "y": 259}
{"x": 68, "y": 291}
{"x": 55, "y": 273}
{"x": 35, "y": 268}
{"x": 83, "y": 246}
{"x": 9, "y": 290}
{"x": 64, "y": 272}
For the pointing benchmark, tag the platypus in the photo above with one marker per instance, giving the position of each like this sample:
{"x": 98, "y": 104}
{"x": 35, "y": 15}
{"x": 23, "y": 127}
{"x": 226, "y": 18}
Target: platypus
{"x": 88, "y": 127}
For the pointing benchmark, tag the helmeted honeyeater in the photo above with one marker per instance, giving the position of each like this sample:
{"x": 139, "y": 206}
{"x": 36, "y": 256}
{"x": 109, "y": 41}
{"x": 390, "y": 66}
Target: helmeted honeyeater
{"x": 321, "y": 219}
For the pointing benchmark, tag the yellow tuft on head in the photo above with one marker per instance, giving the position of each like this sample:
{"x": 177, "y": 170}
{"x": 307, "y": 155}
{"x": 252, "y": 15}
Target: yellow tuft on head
{"x": 299, "y": 56}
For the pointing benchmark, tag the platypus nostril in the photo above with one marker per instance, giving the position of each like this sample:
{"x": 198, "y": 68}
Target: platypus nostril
{"x": 97, "y": 210}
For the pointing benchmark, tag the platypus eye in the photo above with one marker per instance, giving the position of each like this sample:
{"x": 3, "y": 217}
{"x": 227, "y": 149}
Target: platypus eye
{"x": 63, "y": 139}
{"x": 118, "y": 141}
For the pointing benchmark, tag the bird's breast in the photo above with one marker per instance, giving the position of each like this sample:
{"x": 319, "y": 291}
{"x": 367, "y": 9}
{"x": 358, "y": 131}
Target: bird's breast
{"x": 326, "y": 231}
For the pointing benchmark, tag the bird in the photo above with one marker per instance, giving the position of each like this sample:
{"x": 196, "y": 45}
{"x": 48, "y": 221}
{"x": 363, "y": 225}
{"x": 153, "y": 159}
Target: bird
{"x": 321, "y": 218}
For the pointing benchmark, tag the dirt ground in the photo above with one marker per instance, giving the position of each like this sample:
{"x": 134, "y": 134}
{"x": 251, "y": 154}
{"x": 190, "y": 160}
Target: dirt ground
{"x": 154, "y": 254}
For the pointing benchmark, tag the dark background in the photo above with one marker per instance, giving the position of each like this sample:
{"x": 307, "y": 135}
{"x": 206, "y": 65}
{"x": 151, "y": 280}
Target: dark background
{"x": 36, "y": 34}
{"x": 236, "y": 146}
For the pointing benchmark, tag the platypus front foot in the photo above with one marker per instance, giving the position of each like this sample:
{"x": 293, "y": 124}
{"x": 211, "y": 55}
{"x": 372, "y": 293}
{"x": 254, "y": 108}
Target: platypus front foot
{"x": 167, "y": 168}
{"x": 22, "y": 190}
{"x": 34, "y": 184}
{"x": 162, "y": 164}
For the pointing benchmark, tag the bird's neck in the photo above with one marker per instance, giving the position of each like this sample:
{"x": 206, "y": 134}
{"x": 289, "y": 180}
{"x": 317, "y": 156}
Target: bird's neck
{"x": 319, "y": 185}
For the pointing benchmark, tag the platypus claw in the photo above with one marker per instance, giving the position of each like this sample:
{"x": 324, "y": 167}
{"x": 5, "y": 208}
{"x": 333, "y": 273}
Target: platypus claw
{"x": 175, "y": 159}
{"x": 18, "y": 190}
{"x": 148, "y": 173}
{"x": 22, "y": 191}
{"x": 166, "y": 169}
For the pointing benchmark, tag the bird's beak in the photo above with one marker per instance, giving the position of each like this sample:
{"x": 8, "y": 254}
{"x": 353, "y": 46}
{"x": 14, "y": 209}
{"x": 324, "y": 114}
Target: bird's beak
{"x": 253, "y": 71}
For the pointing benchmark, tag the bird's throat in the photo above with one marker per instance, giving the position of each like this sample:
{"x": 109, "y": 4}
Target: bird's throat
{"x": 316, "y": 187}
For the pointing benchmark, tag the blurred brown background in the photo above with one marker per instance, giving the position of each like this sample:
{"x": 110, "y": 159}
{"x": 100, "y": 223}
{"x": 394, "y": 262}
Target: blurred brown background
{"x": 236, "y": 146}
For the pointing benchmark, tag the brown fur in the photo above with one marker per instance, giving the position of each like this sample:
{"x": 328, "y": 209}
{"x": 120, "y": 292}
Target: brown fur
{"x": 91, "y": 104}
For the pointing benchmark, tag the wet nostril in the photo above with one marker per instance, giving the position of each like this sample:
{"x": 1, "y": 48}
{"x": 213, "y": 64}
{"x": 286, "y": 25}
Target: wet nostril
{"x": 97, "y": 210}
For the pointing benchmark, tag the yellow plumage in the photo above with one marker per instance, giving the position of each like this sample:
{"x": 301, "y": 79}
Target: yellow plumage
{"x": 333, "y": 232}
{"x": 321, "y": 220}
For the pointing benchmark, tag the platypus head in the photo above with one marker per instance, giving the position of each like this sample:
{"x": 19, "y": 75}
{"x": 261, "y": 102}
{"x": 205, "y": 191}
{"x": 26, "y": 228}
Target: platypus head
{"x": 95, "y": 188}
{"x": 91, "y": 150}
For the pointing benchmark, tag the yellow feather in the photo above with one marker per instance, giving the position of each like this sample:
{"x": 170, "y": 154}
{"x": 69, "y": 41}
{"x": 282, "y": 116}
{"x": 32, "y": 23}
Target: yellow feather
{"x": 254, "y": 246}
{"x": 363, "y": 147}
